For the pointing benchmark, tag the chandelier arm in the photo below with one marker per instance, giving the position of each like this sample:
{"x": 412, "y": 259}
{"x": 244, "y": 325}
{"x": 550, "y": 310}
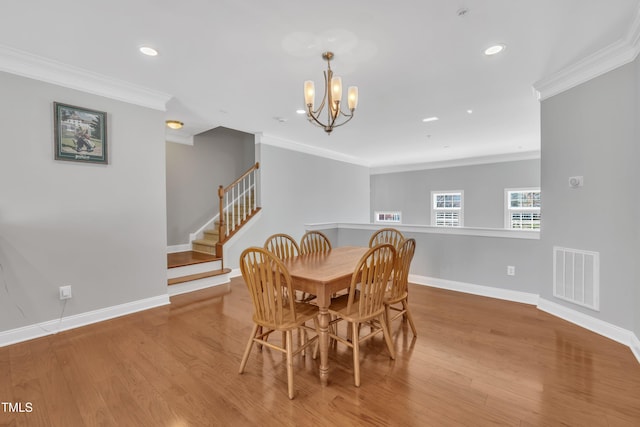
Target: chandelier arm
{"x": 345, "y": 122}
{"x": 315, "y": 121}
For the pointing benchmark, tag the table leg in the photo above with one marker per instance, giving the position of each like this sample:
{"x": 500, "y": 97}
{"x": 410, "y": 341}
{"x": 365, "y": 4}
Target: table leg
{"x": 323, "y": 323}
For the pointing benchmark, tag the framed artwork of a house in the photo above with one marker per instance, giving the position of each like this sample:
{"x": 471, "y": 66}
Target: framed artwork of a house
{"x": 80, "y": 134}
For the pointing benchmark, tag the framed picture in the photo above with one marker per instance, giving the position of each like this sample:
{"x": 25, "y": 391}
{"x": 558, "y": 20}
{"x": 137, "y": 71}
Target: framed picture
{"x": 388, "y": 217}
{"x": 80, "y": 134}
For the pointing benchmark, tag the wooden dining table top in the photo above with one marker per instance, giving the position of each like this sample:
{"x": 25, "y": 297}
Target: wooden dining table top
{"x": 332, "y": 269}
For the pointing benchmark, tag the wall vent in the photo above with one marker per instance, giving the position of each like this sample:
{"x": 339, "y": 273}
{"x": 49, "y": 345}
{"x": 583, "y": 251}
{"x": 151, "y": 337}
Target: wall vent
{"x": 576, "y": 276}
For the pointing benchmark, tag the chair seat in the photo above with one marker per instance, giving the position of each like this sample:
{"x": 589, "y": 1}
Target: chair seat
{"x": 304, "y": 313}
{"x": 389, "y": 298}
{"x": 339, "y": 307}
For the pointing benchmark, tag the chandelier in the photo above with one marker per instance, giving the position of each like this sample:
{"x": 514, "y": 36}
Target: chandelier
{"x": 332, "y": 100}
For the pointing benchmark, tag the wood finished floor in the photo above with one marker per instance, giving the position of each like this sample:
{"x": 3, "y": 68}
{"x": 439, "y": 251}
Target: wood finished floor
{"x": 477, "y": 361}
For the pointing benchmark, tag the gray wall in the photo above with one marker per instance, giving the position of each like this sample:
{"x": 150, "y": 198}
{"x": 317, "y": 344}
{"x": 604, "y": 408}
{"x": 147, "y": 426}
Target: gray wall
{"x": 298, "y": 189}
{"x": 483, "y": 185}
{"x": 468, "y": 259}
{"x": 194, "y": 172}
{"x": 99, "y": 228}
{"x": 591, "y": 130}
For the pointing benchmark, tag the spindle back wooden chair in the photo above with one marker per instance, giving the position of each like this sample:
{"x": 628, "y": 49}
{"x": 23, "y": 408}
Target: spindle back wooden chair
{"x": 314, "y": 242}
{"x": 398, "y": 293}
{"x": 269, "y": 285}
{"x": 364, "y": 303}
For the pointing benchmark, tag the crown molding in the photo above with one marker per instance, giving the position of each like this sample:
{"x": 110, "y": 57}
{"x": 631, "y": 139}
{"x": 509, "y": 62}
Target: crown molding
{"x": 619, "y": 53}
{"x": 469, "y": 161}
{"x": 47, "y": 70}
{"x": 179, "y": 138}
{"x": 307, "y": 149}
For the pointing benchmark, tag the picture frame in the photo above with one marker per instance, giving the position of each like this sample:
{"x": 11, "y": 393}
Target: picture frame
{"x": 80, "y": 134}
{"x": 388, "y": 217}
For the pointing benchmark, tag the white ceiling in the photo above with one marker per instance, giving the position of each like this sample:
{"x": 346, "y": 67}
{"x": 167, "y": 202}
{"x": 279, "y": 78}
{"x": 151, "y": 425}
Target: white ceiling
{"x": 242, "y": 63}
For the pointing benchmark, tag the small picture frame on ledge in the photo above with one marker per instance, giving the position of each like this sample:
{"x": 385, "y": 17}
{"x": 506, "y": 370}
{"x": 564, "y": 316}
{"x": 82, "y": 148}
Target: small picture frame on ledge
{"x": 389, "y": 217}
{"x": 80, "y": 134}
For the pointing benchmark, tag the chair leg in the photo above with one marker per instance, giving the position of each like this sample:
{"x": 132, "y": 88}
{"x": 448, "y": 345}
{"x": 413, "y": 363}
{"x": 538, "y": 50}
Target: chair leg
{"x": 387, "y": 316}
{"x": 355, "y": 339}
{"x": 387, "y": 338}
{"x": 247, "y": 350}
{"x": 407, "y": 312}
{"x": 289, "y": 347}
{"x": 260, "y": 332}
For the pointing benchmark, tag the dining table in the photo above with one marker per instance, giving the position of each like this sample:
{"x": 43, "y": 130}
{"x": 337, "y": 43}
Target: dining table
{"x": 324, "y": 274}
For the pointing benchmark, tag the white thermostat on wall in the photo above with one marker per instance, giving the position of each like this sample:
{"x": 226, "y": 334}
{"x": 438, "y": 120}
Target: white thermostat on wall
{"x": 575, "y": 181}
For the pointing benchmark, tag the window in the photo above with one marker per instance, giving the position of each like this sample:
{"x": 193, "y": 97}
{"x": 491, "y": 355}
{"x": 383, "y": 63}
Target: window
{"x": 446, "y": 208}
{"x": 522, "y": 208}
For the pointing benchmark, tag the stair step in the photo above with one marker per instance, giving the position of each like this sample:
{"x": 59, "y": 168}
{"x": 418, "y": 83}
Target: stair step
{"x": 181, "y": 259}
{"x": 204, "y": 246}
{"x": 197, "y": 276}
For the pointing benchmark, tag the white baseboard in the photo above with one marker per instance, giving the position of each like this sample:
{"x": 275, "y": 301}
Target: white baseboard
{"x": 470, "y": 288}
{"x": 196, "y": 285}
{"x": 616, "y": 333}
{"x": 51, "y": 327}
{"x": 179, "y": 248}
{"x": 635, "y": 346}
{"x": 235, "y": 272}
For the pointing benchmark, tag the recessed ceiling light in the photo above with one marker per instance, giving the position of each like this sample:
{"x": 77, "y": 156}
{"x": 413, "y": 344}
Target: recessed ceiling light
{"x": 149, "y": 51}
{"x": 174, "y": 124}
{"x": 495, "y": 49}
{"x": 430, "y": 119}
{"x": 469, "y": 111}
{"x": 301, "y": 111}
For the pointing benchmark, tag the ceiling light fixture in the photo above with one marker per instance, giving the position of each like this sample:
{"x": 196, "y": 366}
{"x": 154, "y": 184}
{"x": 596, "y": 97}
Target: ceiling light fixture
{"x": 149, "y": 51}
{"x": 174, "y": 124}
{"x": 332, "y": 98}
{"x": 430, "y": 119}
{"x": 495, "y": 49}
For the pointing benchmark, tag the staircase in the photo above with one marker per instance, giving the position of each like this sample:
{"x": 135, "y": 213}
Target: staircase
{"x": 203, "y": 267}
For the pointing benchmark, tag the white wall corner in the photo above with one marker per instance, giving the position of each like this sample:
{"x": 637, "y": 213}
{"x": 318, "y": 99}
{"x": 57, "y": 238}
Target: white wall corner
{"x": 51, "y": 327}
{"x": 619, "y": 53}
{"x": 25, "y": 64}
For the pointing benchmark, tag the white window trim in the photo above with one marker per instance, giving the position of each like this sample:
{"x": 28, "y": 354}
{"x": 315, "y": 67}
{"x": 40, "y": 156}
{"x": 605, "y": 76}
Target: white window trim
{"x": 508, "y": 210}
{"x": 434, "y": 210}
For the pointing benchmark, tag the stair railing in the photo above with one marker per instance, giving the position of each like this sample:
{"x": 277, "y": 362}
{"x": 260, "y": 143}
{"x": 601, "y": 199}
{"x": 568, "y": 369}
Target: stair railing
{"x": 238, "y": 202}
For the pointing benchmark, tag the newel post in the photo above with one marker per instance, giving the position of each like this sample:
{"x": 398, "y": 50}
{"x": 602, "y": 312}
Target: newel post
{"x": 221, "y": 217}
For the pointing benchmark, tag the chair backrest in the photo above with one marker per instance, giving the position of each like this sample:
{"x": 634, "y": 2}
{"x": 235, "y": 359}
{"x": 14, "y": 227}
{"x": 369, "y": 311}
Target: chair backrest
{"x": 269, "y": 283}
{"x": 282, "y": 245}
{"x": 314, "y": 242}
{"x": 387, "y": 235}
{"x": 370, "y": 277}
{"x": 401, "y": 269}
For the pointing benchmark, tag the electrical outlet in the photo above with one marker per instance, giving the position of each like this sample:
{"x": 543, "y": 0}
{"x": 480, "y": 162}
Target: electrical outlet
{"x": 65, "y": 292}
{"x": 511, "y": 270}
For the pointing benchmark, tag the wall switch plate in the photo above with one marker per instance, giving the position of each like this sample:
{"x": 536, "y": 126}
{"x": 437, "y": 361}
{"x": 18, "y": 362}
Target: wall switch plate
{"x": 65, "y": 292}
{"x": 511, "y": 270}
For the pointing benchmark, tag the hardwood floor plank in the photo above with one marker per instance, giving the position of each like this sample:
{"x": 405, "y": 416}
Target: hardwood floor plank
{"x": 476, "y": 361}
